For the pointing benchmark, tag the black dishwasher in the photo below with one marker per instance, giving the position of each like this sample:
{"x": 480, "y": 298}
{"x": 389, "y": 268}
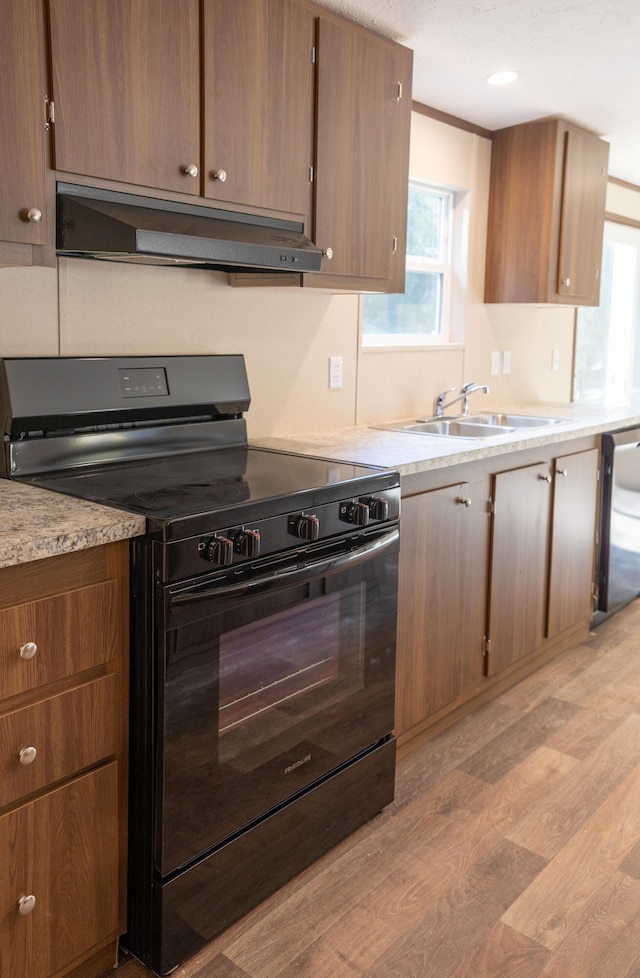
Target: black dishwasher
{"x": 618, "y": 570}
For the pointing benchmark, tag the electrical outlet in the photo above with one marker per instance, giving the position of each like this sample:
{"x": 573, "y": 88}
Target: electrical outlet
{"x": 506, "y": 362}
{"x": 555, "y": 360}
{"x": 495, "y": 363}
{"x": 335, "y": 373}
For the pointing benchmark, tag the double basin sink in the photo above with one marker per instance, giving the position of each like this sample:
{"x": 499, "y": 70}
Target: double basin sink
{"x": 473, "y": 425}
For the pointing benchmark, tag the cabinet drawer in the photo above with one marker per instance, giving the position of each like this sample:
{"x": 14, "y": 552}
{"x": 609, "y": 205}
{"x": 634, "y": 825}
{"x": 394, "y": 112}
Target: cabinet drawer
{"x": 64, "y": 634}
{"x": 61, "y": 849}
{"x": 68, "y": 732}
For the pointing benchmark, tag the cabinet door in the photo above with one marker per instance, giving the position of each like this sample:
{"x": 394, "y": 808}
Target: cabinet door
{"x": 259, "y": 103}
{"x": 519, "y": 554}
{"x": 575, "y": 498}
{"x": 57, "y": 737}
{"x": 442, "y": 598}
{"x": 546, "y": 214}
{"x": 45, "y": 640}
{"x": 63, "y": 850}
{"x": 582, "y": 224}
{"x": 355, "y": 180}
{"x": 23, "y": 85}
{"x": 126, "y": 80}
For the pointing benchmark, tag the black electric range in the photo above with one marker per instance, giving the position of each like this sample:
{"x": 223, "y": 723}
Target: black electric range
{"x": 263, "y": 612}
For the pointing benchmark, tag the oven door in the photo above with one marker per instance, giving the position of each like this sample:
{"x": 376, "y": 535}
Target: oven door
{"x": 269, "y": 678}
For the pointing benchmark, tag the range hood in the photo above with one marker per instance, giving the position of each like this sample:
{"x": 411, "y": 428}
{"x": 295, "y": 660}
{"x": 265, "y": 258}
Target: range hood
{"x": 115, "y": 226}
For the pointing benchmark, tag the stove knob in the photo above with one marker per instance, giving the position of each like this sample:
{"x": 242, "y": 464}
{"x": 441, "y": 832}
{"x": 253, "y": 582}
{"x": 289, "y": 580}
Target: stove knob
{"x": 219, "y": 550}
{"x": 357, "y": 513}
{"x": 247, "y": 543}
{"x": 378, "y": 507}
{"x": 306, "y": 527}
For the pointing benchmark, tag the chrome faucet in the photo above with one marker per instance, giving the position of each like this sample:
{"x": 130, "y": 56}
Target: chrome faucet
{"x": 463, "y": 396}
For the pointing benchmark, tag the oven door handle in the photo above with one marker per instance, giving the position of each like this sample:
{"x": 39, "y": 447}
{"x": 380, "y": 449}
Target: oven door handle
{"x": 277, "y": 579}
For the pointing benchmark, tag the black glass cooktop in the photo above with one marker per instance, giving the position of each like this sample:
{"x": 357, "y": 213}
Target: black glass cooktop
{"x": 180, "y": 487}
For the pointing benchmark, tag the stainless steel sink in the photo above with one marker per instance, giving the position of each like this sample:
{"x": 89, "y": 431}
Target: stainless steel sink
{"x": 473, "y": 426}
{"x": 512, "y": 420}
{"x": 451, "y": 429}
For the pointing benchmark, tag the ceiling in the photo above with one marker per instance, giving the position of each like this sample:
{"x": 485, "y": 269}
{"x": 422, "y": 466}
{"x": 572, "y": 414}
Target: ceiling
{"x": 578, "y": 59}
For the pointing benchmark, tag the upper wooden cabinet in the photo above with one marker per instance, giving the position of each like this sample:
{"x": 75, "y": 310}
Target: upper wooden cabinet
{"x": 546, "y": 214}
{"x": 126, "y": 87}
{"x": 258, "y": 103}
{"x": 23, "y": 82}
{"x": 362, "y": 163}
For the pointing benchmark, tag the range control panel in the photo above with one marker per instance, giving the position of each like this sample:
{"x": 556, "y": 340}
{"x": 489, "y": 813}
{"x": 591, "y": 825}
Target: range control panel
{"x": 235, "y": 545}
{"x": 247, "y": 542}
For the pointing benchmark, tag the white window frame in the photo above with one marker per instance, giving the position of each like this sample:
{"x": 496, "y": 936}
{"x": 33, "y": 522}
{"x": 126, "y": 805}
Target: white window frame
{"x": 451, "y": 265}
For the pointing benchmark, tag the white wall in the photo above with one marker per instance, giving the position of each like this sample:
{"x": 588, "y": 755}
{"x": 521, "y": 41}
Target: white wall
{"x": 89, "y": 308}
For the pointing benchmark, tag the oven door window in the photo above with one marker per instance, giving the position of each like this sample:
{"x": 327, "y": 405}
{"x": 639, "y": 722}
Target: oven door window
{"x": 262, "y": 696}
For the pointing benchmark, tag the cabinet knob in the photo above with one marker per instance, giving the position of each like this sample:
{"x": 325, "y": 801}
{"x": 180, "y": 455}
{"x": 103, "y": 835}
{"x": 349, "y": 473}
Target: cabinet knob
{"x": 191, "y": 170}
{"x": 545, "y": 478}
{"x": 26, "y": 904}
{"x": 27, "y": 755}
{"x": 28, "y": 650}
{"x": 562, "y": 472}
{"x": 33, "y": 215}
{"x": 220, "y": 175}
{"x": 464, "y": 501}
{"x": 327, "y": 253}
{"x": 566, "y": 282}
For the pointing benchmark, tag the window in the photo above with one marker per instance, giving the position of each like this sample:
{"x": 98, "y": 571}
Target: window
{"x": 607, "y": 355}
{"x": 422, "y": 314}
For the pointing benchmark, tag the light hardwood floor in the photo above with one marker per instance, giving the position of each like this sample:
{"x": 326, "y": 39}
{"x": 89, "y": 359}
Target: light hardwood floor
{"x": 512, "y": 849}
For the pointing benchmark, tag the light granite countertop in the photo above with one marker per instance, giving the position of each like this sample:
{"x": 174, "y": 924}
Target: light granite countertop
{"x": 412, "y": 453}
{"x": 37, "y": 523}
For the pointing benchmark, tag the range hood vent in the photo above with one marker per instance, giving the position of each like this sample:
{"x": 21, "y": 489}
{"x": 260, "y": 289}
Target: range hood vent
{"x": 115, "y": 226}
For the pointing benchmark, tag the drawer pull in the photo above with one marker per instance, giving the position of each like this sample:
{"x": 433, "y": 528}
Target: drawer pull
{"x": 26, "y": 904}
{"x": 28, "y": 650}
{"x": 27, "y": 755}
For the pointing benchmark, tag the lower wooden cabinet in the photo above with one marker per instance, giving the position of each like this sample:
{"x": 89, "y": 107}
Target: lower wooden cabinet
{"x": 495, "y": 571}
{"x": 571, "y": 571}
{"x": 59, "y": 888}
{"x": 519, "y": 553}
{"x": 442, "y": 597}
{"x": 63, "y": 756}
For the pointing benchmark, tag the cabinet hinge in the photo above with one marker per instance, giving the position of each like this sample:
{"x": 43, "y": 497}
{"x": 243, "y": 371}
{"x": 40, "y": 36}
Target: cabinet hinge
{"x": 313, "y": 55}
{"x": 311, "y": 173}
{"x": 399, "y": 95}
{"x": 49, "y": 113}
{"x": 595, "y": 595}
{"x": 492, "y": 506}
{"x": 486, "y": 646}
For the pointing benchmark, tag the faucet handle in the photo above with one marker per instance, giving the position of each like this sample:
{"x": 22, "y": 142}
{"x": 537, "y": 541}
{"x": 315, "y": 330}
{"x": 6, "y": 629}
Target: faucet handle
{"x": 440, "y": 399}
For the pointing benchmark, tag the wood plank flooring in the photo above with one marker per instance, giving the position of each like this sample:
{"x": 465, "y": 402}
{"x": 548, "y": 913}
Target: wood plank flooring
{"x": 512, "y": 849}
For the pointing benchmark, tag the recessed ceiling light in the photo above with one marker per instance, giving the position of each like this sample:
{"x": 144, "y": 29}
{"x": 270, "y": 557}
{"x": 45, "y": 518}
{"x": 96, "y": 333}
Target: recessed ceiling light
{"x": 503, "y": 77}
